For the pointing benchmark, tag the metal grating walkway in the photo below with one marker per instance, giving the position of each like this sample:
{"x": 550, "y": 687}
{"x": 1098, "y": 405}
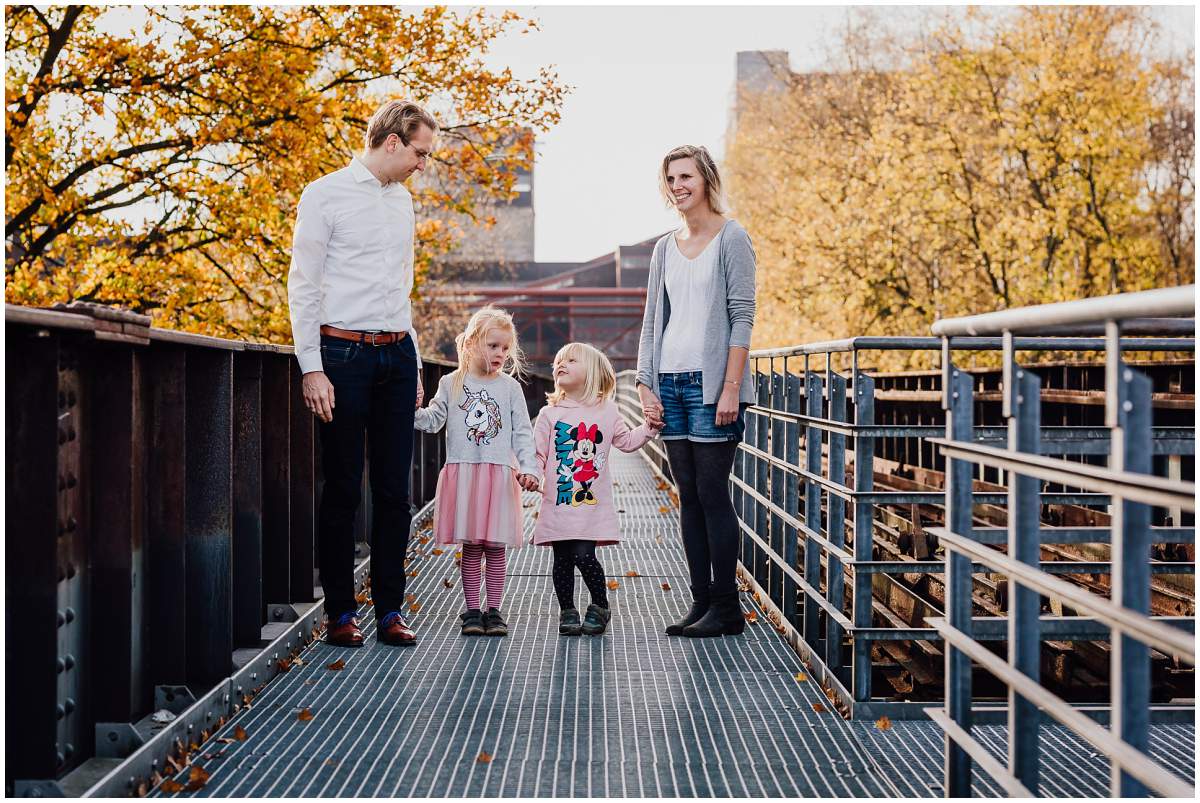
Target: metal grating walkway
{"x": 629, "y": 714}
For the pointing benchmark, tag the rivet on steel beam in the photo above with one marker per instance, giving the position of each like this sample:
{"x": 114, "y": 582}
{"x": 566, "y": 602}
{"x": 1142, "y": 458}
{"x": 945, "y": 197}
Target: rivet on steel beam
{"x": 71, "y": 480}
{"x": 69, "y": 704}
{"x": 132, "y": 782}
{"x": 60, "y": 666}
{"x": 60, "y": 618}
{"x": 70, "y": 659}
{"x": 1127, "y": 406}
{"x": 1020, "y": 374}
{"x": 226, "y": 698}
{"x": 59, "y": 759}
{"x": 254, "y": 676}
{"x": 70, "y": 567}
{"x": 70, "y": 614}
{"x": 71, "y": 524}
{"x": 191, "y": 727}
{"x": 154, "y": 763}
{"x": 1128, "y": 375}
{"x": 59, "y": 712}
{"x": 69, "y": 750}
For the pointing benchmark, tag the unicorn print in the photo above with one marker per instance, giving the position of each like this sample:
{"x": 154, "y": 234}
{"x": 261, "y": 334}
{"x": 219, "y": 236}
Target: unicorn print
{"x": 483, "y": 416}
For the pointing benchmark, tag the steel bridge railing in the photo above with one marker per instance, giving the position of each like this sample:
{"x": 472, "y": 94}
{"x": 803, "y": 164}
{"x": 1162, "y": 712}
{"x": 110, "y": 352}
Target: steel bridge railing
{"x": 817, "y": 532}
{"x": 161, "y": 495}
{"x": 1132, "y": 492}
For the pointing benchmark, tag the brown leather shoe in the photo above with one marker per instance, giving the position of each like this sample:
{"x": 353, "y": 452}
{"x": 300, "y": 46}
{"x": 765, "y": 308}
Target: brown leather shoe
{"x": 344, "y": 633}
{"x": 395, "y": 631}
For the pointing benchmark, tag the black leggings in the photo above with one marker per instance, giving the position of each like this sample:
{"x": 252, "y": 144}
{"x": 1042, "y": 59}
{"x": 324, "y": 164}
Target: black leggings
{"x": 568, "y": 555}
{"x": 707, "y": 523}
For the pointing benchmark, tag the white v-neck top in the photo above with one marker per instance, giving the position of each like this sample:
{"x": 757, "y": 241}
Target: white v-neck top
{"x": 688, "y": 284}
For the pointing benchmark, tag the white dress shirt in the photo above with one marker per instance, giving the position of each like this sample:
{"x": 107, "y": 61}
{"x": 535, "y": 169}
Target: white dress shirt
{"x": 688, "y": 283}
{"x": 352, "y": 259}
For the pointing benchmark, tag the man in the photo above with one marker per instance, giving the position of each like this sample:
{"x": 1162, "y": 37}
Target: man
{"x": 348, "y": 292}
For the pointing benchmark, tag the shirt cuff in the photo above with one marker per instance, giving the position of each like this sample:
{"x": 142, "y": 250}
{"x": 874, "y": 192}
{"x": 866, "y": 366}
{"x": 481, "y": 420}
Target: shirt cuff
{"x": 310, "y": 361}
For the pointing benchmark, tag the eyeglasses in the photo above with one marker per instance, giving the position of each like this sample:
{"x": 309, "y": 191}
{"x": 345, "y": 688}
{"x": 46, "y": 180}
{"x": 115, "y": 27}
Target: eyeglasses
{"x": 421, "y": 155}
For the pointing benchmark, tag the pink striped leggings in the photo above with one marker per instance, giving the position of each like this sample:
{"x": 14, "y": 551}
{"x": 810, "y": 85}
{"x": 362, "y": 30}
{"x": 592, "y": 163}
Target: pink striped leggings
{"x": 472, "y": 554}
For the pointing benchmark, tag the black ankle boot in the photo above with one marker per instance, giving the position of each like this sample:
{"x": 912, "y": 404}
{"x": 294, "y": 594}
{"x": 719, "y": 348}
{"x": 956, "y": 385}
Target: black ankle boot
{"x": 698, "y": 609}
{"x": 724, "y": 618}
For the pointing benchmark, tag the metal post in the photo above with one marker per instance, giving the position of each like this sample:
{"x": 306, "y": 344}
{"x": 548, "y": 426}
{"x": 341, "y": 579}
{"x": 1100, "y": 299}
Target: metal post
{"x": 166, "y": 528}
{"x": 812, "y": 507}
{"x": 836, "y": 526}
{"x": 248, "y": 497}
{"x": 775, "y": 582}
{"x": 1128, "y": 414}
{"x": 1022, "y": 408}
{"x": 761, "y": 434}
{"x": 302, "y": 542}
{"x": 957, "y": 401}
{"x": 208, "y": 513}
{"x": 791, "y": 501}
{"x": 117, "y": 450}
{"x": 277, "y": 478}
{"x": 864, "y": 526}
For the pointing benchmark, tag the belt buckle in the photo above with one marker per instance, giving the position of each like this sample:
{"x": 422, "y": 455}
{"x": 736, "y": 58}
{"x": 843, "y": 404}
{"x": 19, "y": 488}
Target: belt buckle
{"x": 373, "y": 336}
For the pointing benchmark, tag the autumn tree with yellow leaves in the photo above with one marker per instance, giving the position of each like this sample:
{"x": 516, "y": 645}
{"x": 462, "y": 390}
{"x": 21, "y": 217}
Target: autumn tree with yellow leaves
{"x": 155, "y": 155}
{"x": 1002, "y": 159}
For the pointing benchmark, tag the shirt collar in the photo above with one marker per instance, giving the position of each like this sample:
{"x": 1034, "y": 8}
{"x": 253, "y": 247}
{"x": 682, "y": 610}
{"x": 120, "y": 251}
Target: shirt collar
{"x": 361, "y": 172}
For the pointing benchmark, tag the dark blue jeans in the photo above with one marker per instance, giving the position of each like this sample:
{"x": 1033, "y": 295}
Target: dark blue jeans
{"x": 375, "y": 391}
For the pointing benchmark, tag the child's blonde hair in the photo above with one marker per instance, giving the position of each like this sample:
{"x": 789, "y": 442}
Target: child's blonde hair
{"x": 477, "y": 327}
{"x": 600, "y": 378}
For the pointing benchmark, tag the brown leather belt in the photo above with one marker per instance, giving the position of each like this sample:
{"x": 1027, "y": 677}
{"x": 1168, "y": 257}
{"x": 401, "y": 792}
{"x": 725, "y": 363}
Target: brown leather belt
{"x": 369, "y": 338}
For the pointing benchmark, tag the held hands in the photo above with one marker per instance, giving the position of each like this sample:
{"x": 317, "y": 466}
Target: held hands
{"x": 528, "y": 482}
{"x": 317, "y": 391}
{"x": 652, "y": 409}
{"x": 727, "y": 405}
{"x": 420, "y": 392}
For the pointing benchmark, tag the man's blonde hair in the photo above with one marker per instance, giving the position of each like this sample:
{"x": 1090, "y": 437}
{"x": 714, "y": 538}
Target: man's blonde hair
{"x": 469, "y": 339}
{"x": 600, "y": 380}
{"x": 399, "y": 117}
{"x": 705, "y": 166}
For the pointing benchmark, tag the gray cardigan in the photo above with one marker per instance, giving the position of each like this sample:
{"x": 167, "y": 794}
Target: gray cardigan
{"x": 728, "y": 320}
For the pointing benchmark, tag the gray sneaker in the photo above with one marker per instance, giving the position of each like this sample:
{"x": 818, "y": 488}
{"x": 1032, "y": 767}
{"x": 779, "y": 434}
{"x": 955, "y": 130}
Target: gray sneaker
{"x": 568, "y": 623}
{"x": 595, "y": 621}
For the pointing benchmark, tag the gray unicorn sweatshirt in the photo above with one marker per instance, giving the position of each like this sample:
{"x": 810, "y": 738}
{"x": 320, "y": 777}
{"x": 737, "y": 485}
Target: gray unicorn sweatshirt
{"x": 488, "y": 422}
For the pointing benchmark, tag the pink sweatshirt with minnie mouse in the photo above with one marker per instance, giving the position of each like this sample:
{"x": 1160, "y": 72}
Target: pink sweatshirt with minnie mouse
{"x": 572, "y": 442}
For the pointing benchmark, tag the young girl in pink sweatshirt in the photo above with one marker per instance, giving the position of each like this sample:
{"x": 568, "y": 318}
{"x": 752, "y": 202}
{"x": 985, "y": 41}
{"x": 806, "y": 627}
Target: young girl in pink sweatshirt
{"x": 572, "y": 439}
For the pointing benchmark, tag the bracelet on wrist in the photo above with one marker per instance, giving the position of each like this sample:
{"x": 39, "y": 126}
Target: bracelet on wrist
{"x": 730, "y": 382}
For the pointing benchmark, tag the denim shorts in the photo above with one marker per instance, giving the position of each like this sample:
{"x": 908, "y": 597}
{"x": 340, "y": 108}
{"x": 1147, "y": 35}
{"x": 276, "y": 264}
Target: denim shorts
{"x": 687, "y": 417}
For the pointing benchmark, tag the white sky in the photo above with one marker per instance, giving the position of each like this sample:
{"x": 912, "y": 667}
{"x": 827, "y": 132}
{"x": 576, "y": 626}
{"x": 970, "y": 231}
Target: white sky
{"x": 647, "y": 79}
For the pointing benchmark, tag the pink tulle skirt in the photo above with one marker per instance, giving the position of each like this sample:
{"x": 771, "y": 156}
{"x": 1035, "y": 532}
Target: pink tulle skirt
{"x": 478, "y": 503}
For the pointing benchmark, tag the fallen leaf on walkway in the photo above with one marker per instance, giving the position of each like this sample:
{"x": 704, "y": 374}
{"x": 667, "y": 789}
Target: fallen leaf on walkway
{"x": 751, "y": 616}
{"x": 437, "y": 550}
{"x": 661, "y": 485}
{"x": 613, "y": 584}
{"x": 883, "y": 723}
{"x": 424, "y": 539}
{"x": 284, "y": 665}
{"x": 414, "y": 573}
{"x": 410, "y": 597}
{"x": 800, "y": 676}
{"x": 239, "y": 733}
{"x": 484, "y": 758}
{"x": 664, "y": 509}
{"x": 666, "y": 586}
{"x": 305, "y": 715}
{"x": 446, "y": 582}
{"x": 297, "y": 662}
{"x": 820, "y": 709}
{"x": 173, "y": 765}
{"x": 360, "y": 597}
{"x": 226, "y": 740}
{"x": 337, "y": 666}
{"x": 331, "y": 762}
{"x": 196, "y": 779}
{"x": 170, "y": 786}
{"x": 632, "y": 573}
{"x": 414, "y": 607}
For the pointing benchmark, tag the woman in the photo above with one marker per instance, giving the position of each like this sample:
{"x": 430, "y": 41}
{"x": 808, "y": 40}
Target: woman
{"x": 694, "y": 378}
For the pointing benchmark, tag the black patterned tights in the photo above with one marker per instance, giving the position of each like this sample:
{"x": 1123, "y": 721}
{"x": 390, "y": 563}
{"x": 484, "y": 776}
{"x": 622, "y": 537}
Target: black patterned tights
{"x": 568, "y": 555}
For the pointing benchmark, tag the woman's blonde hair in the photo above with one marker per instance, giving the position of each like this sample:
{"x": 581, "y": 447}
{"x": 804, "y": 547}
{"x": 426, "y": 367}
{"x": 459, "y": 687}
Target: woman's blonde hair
{"x": 600, "y": 380}
{"x": 705, "y": 166}
{"x": 478, "y": 326}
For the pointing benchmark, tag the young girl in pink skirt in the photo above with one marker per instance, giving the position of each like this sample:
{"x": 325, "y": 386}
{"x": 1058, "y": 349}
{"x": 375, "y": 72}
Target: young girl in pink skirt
{"x": 573, "y": 436}
{"x": 489, "y": 453}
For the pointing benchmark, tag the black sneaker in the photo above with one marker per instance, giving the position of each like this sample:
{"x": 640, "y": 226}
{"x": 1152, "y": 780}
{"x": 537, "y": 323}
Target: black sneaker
{"x": 568, "y": 623}
{"x": 472, "y": 623}
{"x": 494, "y": 624}
{"x": 595, "y": 621}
